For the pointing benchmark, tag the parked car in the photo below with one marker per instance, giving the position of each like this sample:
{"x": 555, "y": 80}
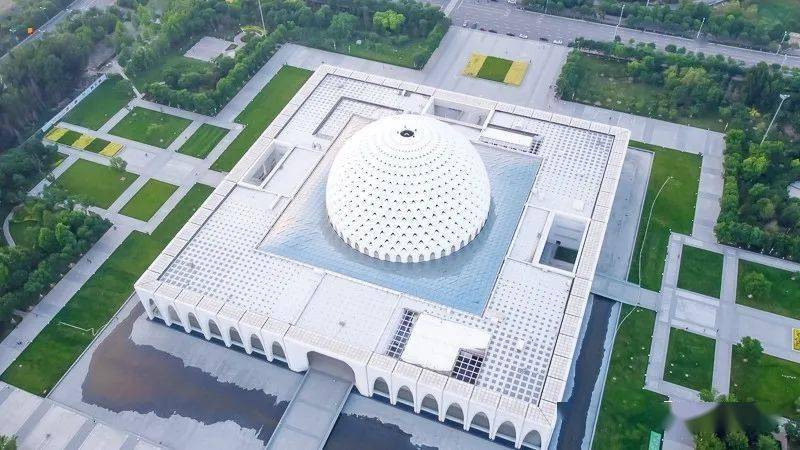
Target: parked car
{"x": 474, "y": 25}
{"x": 483, "y": 29}
{"x": 511, "y": 34}
{"x": 492, "y": 31}
{"x": 466, "y": 24}
{"x": 558, "y": 42}
{"x": 543, "y": 39}
{"x": 523, "y": 36}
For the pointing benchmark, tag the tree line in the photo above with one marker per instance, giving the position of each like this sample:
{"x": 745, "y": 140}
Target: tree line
{"x": 738, "y": 23}
{"x": 757, "y": 212}
{"x": 208, "y": 90}
{"x": 26, "y": 14}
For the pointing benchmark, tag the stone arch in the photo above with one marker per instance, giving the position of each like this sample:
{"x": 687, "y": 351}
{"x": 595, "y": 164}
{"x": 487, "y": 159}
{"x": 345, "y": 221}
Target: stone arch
{"x": 173, "y": 315}
{"x": 532, "y": 440}
{"x": 213, "y": 329}
{"x": 455, "y": 413}
{"x": 404, "y": 394}
{"x": 193, "y": 322}
{"x": 480, "y": 421}
{"x": 235, "y": 336}
{"x": 381, "y": 387}
{"x": 430, "y": 404}
{"x": 255, "y": 343}
{"x": 507, "y": 431}
{"x": 154, "y": 308}
{"x": 277, "y": 351}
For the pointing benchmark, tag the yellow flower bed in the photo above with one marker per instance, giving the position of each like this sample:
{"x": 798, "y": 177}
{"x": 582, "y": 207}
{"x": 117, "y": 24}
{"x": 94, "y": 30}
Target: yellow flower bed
{"x": 83, "y": 141}
{"x": 474, "y": 64}
{"x": 796, "y": 339}
{"x": 111, "y": 149}
{"x": 55, "y": 134}
{"x": 516, "y": 73}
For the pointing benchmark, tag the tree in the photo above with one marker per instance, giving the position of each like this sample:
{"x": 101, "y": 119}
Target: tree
{"x": 118, "y": 164}
{"x": 342, "y": 25}
{"x": 767, "y": 442}
{"x": 751, "y": 350}
{"x": 792, "y": 430}
{"x": 388, "y": 20}
{"x": 708, "y": 395}
{"x": 756, "y": 285}
{"x": 8, "y": 443}
{"x": 46, "y": 241}
{"x": 737, "y": 440}
{"x": 707, "y": 441}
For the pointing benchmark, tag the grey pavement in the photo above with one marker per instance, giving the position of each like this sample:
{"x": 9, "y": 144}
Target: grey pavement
{"x": 44, "y": 424}
{"x": 504, "y": 18}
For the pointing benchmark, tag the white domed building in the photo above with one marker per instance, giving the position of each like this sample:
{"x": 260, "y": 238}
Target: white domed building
{"x": 407, "y": 188}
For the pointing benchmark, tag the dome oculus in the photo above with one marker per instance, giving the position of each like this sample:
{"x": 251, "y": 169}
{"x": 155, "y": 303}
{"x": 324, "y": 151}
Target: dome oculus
{"x": 407, "y": 188}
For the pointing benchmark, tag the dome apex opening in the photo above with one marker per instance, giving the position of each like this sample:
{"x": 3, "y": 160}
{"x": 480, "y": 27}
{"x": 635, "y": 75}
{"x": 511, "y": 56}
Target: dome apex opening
{"x": 407, "y": 188}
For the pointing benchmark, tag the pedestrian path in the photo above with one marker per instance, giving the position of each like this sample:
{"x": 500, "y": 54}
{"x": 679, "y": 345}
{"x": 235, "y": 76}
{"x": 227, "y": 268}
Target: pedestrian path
{"x": 312, "y": 411}
{"x": 42, "y": 423}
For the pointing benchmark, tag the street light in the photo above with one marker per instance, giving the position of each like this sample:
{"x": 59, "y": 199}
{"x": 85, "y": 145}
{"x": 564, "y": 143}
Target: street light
{"x": 783, "y": 98}
{"x": 701, "y": 28}
{"x": 261, "y": 12}
{"x": 780, "y": 44}
{"x": 618, "y": 23}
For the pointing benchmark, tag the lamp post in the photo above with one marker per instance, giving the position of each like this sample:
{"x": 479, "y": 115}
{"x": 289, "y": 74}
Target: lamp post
{"x": 701, "y": 28}
{"x": 619, "y": 22}
{"x": 780, "y": 44}
{"x": 261, "y": 13}
{"x": 783, "y": 98}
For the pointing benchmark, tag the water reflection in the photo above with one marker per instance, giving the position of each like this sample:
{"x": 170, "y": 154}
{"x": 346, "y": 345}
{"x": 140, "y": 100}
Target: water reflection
{"x": 124, "y": 376}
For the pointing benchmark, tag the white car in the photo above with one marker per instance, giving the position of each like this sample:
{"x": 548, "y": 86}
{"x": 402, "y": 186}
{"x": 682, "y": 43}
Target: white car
{"x": 558, "y": 42}
{"x": 512, "y": 2}
{"x": 465, "y": 24}
{"x": 523, "y": 36}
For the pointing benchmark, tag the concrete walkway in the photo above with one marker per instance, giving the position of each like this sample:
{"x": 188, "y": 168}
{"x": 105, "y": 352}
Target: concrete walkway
{"x": 313, "y": 410}
{"x": 41, "y": 423}
{"x": 7, "y": 227}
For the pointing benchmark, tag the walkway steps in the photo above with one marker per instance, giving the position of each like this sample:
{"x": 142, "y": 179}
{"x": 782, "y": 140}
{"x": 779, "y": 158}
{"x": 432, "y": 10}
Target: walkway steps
{"x": 312, "y": 412}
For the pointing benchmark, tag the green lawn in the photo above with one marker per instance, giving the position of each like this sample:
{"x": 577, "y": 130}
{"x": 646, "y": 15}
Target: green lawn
{"x": 674, "y": 210}
{"x": 610, "y": 87}
{"x": 257, "y": 116}
{"x": 148, "y": 199}
{"x": 95, "y": 183}
{"x": 690, "y": 360}
{"x": 495, "y": 69}
{"x": 773, "y": 383}
{"x": 57, "y": 347}
{"x": 69, "y": 137}
{"x": 701, "y": 271}
{"x": 96, "y": 145}
{"x": 380, "y": 51}
{"x": 629, "y": 412}
{"x": 105, "y": 101}
{"x": 203, "y": 141}
{"x": 150, "y": 127}
{"x": 174, "y": 59}
{"x": 783, "y": 297}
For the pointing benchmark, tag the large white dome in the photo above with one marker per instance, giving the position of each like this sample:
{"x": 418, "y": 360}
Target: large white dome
{"x": 407, "y": 188}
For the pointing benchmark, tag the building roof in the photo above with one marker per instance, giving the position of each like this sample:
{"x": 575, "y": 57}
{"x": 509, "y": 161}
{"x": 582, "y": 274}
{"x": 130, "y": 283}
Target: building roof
{"x": 407, "y": 188}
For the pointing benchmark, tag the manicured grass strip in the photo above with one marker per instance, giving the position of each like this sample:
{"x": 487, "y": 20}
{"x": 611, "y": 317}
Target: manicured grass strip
{"x": 203, "y": 141}
{"x": 260, "y": 112}
{"x": 57, "y": 347}
{"x": 781, "y": 296}
{"x": 516, "y": 73}
{"x": 150, "y": 127}
{"x": 99, "y": 106}
{"x": 95, "y": 183}
{"x": 495, "y": 69}
{"x": 97, "y": 145}
{"x": 474, "y": 64}
{"x": 111, "y": 149}
{"x": 55, "y": 134}
{"x": 701, "y": 271}
{"x": 172, "y": 60}
{"x": 629, "y": 412}
{"x": 69, "y": 137}
{"x": 690, "y": 360}
{"x": 770, "y": 382}
{"x": 674, "y": 210}
{"x": 148, "y": 199}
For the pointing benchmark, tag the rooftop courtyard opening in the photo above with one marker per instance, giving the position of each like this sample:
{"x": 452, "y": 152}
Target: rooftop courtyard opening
{"x": 564, "y": 239}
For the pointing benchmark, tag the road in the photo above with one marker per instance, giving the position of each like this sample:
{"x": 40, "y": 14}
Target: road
{"x": 506, "y": 18}
{"x": 51, "y": 24}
